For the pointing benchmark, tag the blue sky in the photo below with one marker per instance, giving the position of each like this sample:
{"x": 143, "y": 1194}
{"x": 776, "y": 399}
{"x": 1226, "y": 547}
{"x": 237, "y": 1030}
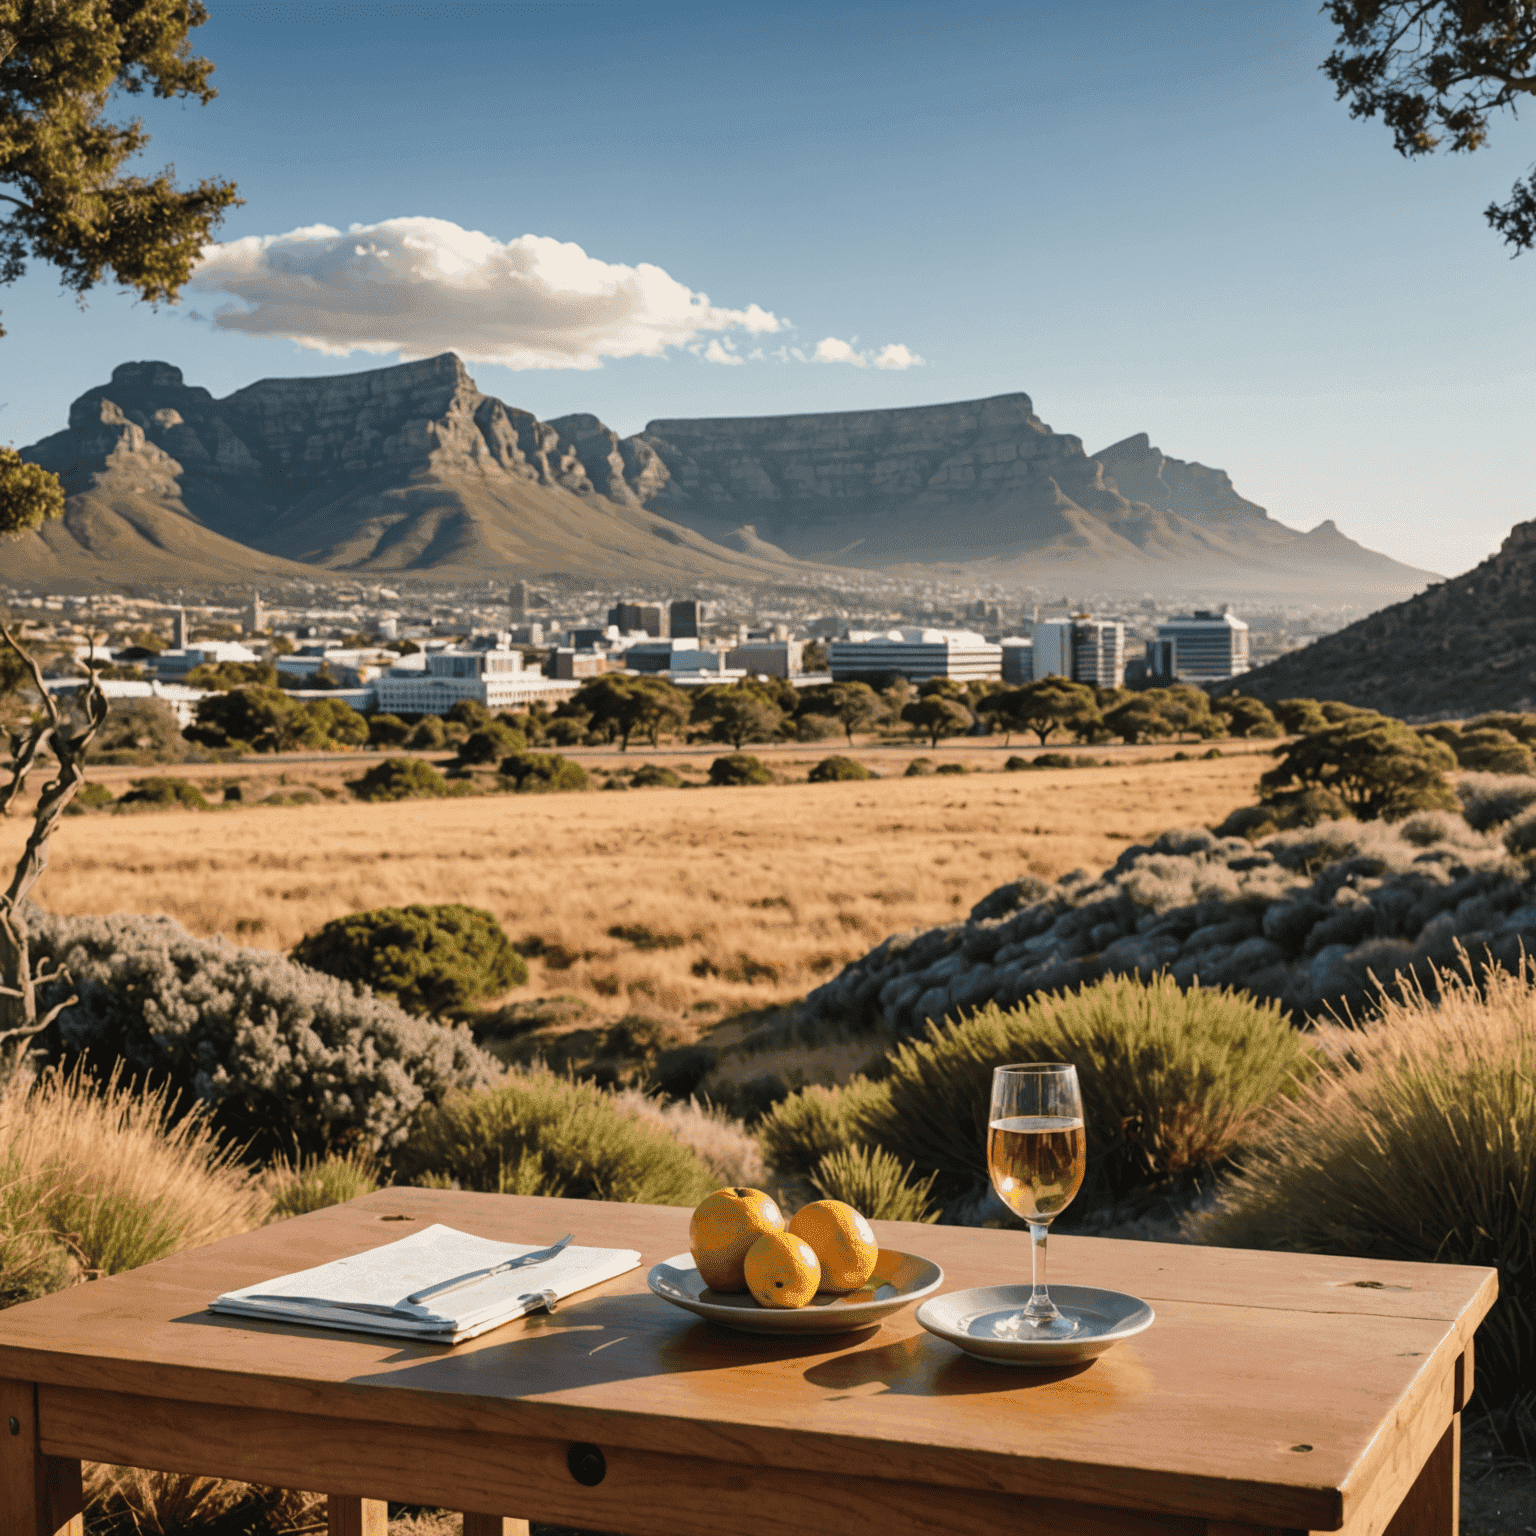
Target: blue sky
{"x": 1149, "y": 217}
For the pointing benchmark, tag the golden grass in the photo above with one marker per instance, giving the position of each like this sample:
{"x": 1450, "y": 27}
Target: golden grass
{"x": 771, "y": 889}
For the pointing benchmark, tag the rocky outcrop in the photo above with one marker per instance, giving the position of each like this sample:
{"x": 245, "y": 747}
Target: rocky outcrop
{"x": 1144, "y": 473}
{"x": 1459, "y": 648}
{"x": 1306, "y": 918}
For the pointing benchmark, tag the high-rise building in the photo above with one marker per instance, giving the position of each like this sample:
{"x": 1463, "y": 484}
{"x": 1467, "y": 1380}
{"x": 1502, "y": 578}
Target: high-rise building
{"x": 638, "y": 618}
{"x": 1205, "y": 646}
{"x": 686, "y": 616}
{"x": 256, "y": 616}
{"x": 1082, "y": 648}
{"x": 517, "y": 601}
{"x": 179, "y": 630}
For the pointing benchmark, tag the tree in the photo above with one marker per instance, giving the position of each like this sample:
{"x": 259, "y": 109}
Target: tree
{"x": 737, "y": 713}
{"x": 1379, "y": 768}
{"x": 220, "y": 677}
{"x": 1298, "y": 716}
{"x": 1052, "y": 704}
{"x": 857, "y": 706}
{"x": 400, "y": 778}
{"x": 1187, "y": 710}
{"x": 1246, "y": 717}
{"x": 71, "y": 203}
{"x": 740, "y": 768}
{"x": 832, "y": 770}
{"x": 538, "y": 773}
{"x": 937, "y": 717}
{"x": 1138, "y": 720}
{"x": 29, "y": 495}
{"x": 1436, "y": 72}
{"x": 339, "y": 723}
{"x": 491, "y": 743}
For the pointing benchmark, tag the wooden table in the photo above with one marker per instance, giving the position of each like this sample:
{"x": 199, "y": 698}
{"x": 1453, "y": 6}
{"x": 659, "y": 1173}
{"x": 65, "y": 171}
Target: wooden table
{"x": 1275, "y": 1392}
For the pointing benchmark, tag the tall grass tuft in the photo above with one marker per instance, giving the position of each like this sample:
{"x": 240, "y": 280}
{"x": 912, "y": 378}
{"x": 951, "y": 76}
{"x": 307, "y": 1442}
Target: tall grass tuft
{"x": 536, "y": 1133}
{"x": 1173, "y": 1081}
{"x": 298, "y": 1186}
{"x": 129, "y": 1501}
{"x": 712, "y": 1134}
{"x": 801, "y": 1130}
{"x": 875, "y": 1182}
{"x": 95, "y": 1179}
{"x": 1417, "y": 1140}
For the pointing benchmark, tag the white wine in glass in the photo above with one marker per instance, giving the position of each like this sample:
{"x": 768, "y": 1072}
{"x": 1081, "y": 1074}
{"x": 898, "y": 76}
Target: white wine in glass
{"x": 1037, "y": 1153}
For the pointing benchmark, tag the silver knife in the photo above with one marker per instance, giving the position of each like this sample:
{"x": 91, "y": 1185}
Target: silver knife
{"x": 474, "y": 1276}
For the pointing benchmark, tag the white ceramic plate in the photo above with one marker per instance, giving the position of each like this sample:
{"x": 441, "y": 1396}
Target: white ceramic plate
{"x": 968, "y": 1318}
{"x": 899, "y": 1278}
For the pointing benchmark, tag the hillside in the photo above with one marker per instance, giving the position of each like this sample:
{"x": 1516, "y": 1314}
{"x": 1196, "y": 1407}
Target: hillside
{"x": 395, "y": 471}
{"x": 412, "y": 471}
{"x": 984, "y": 487}
{"x": 1464, "y": 646}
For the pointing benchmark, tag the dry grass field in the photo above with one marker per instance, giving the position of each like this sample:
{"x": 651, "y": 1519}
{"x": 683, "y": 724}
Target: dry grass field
{"x": 684, "y": 905}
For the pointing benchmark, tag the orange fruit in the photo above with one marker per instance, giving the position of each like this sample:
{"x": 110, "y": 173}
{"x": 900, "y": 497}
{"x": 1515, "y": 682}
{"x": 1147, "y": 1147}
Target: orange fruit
{"x": 724, "y": 1225}
{"x": 842, "y": 1241}
{"x": 782, "y": 1270}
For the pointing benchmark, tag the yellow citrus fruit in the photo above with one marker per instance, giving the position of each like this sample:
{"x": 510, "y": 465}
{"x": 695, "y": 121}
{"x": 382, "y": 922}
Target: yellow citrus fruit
{"x": 782, "y": 1270}
{"x": 842, "y": 1241}
{"x": 726, "y": 1224}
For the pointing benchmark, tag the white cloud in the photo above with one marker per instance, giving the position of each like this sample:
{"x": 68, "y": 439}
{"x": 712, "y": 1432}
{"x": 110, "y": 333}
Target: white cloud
{"x": 418, "y": 286}
{"x": 716, "y": 353}
{"x": 894, "y": 355}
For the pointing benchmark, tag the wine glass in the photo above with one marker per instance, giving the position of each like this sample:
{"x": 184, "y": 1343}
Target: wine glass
{"x": 1037, "y": 1152}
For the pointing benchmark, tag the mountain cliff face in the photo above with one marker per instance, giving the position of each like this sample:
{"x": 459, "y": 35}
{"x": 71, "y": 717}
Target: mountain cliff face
{"x": 412, "y": 470}
{"x": 405, "y": 470}
{"x": 1459, "y": 648}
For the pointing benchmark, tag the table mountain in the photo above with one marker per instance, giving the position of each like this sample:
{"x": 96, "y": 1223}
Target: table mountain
{"x": 1459, "y": 648}
{"x": 411, "y": 470}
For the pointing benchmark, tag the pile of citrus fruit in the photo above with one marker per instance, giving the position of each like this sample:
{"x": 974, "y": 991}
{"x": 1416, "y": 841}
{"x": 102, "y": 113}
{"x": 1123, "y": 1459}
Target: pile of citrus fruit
{"x": 741, "y": 1242}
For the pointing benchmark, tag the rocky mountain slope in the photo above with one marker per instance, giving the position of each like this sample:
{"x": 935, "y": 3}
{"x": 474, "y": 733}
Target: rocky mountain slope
{"x": 986, "y": 486}
{"x": 1464, "y": 646}
{"x": 411, "y": 470}
{"x": 395, "y": 471}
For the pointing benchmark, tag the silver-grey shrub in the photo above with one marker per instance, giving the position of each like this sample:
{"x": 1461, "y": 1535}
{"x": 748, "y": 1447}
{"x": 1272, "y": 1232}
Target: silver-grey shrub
{"x": 1490, "y": 798}
{"x": 285, "y": 1059}
{"x": 1313, "y": 919}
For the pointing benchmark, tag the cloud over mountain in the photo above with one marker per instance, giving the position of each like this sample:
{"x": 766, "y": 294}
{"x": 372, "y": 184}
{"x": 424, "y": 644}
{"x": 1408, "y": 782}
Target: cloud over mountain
{"x": 418, "y": 286}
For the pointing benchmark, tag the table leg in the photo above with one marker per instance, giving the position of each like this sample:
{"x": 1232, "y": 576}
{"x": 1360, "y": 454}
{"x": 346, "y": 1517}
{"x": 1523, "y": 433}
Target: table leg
{"x": 347, "y": 1515}
{"x": 1432, "y": 1506}
{"x": 39, "y": 1495}
{"x": 493, "y": 1525}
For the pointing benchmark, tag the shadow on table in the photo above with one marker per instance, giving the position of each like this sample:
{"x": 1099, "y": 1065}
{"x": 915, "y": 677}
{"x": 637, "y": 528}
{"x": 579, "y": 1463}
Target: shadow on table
{"x": 924, "y": 1366}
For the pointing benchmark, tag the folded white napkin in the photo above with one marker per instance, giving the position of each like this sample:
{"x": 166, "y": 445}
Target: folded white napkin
{"x": 367, "y": 1292}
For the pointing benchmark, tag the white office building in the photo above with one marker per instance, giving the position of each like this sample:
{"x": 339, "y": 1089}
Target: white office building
{"x": 494, "y": 678}
{"x": 1202, "y": 647}
{"x": 916, "y": 654}
{"x": 1018, "y": 660}
{"x": 1082, "y": 648}
{"x": 768, "y": 658}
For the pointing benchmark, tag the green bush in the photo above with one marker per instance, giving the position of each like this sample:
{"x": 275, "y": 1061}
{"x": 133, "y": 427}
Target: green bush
{"x": 832, "y": 769}
{"x": 1173, "y": 1081}
{"x": 1414, "y": 1142}
{"x": 387, "y": 731}
{"x": 542, "y": 773}
{"x": 165, "y": 791}
{"x": 1298, "y": 716}
{"x": 739, "y": 768}
{"x": 1015, "y": 765}
{"x": 799, "y": 1131}
{"x": 284, "y": 1059}
{"x": 951, "y": 768}
{"x": 1377, "y": 766}
{"x": 89, "y": 797}
{"x": 428, "y": 735}
{"x": 539, "y": 1134}
{"x": 430, "y": 959}
{"x": 918, "y": 767}
{"x": 1051, "y": 760}
{"x": 491, "y": 742}
{"x": 1492, "y": 751}
{"x": 297, "y": 1186}
{"x": 654, "y": 776}
{"x": 875, "y": 1183}
{"x": 400, "y": 778}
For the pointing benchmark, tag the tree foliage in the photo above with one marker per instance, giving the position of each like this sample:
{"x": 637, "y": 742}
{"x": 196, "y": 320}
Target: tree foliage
{"x": 619, "y": 707}
{"x": 740, "y": 768}
{"x": 401, "y": 778}
{"x": 938, "y": 716}
{"x": 540, "y": 773}
{"x": 1048, "y": 705}
{"x": 29, "y": 495}
{"x": 1436, "y": 72}
{"x": 737, "y": 713}
{"x": 1377, "y": 766}
{"x": 430, "y": 959}
{"x": 70, "y": 202}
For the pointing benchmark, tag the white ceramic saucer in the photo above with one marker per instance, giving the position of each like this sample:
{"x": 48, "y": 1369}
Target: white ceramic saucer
{"x": 899, "y": 1278}
{"x": 969, "y": 1319}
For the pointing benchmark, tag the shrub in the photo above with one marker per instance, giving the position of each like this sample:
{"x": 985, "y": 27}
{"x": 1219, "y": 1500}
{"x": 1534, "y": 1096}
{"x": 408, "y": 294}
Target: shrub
{"x": 167, "y": 792}
{"x": 1016, "y": 765}
{"x": 428, "y": 735}
{"x": 430, "y": 959}
{"x": 1492, "y": 751}
{"x": 490, "y": 742}
{"x": 282, "y": 1057}
{"x": 918, "y": 767}
{"x": 1521, "y": 726}
{"x": 951, "y": 768}
{"x": 470, "y": 713}
{"x": 298, "y": 1186}
{"x": 1051, "y": 760}
{"x": 89, "y": 797}
{"x": 400, "y": 778}
{"x": 1377, "y": 766}
{"x": 739, "y": 768}
{"x": 1520, "y": 835}
{"x": 539, "y": 1134}
{"x": 1173, "y": 1081}
{"x": 1298, "y": 716}
{"x": 95, "y": 1179}
{"x": 1489, "y": 798}
{"x": 723, "y": 1143}
{"x": 832, "y": 769}
{"x": 387, "y": 731}
{"x": 874, "y": 1182}
{"x": 1413, "y": 1142}
{"x": 538, "y": 773}
{"x": 654, "y": 776}
{"x": 799, "y": 1131}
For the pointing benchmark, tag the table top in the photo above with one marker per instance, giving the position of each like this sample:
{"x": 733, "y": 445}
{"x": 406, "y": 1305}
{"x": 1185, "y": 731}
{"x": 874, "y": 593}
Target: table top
{"x": 1260, "y": 1393}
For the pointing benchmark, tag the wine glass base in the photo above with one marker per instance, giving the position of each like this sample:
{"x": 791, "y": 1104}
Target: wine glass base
{"x": 1055, "y": 1325}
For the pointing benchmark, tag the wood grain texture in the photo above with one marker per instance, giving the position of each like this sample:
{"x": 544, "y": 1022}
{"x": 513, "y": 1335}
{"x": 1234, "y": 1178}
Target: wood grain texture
{"x": 348, "y": 1515}
{"x": 1433, "y": 1504}
{"x": 40, "y": 1495}
{"x": 1251, "y": 1355}
{"x": 493, "y": 1525}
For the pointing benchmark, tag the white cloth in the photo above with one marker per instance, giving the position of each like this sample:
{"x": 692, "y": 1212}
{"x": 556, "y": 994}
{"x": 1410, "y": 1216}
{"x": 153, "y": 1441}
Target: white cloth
{"x": 381, "y": 1279}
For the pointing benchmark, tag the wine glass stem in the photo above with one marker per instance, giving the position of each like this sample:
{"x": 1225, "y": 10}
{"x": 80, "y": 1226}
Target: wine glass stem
{"x": 1040, "y": 1304}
